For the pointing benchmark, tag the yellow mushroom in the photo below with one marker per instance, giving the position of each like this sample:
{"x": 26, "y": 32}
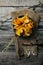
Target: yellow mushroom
{"x": 23, "y": 25}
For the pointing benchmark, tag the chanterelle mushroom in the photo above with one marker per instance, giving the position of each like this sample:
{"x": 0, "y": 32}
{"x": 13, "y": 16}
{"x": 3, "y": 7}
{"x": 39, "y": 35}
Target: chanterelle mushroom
{"x": 23, "y": 25}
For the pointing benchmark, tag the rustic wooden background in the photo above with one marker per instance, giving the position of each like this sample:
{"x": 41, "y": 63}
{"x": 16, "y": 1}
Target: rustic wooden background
{"x": 6, "y": 32}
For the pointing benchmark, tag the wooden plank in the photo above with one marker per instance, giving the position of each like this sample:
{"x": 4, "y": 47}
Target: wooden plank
{"x": 18, "y": 2}
{"x": 9, "y": 58}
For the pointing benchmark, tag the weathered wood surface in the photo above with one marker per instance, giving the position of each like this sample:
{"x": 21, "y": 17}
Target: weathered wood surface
{"x": 18, "y": 2}
{"x": 9, "y": 58}
{"x": 6, "y": 33}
